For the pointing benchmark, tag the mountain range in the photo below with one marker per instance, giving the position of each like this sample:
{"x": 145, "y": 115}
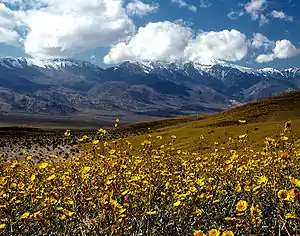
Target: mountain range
{"x": 73, "y": 88}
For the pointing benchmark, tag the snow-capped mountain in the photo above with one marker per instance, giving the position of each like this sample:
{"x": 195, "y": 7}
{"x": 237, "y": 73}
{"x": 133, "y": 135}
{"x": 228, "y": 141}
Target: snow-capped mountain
{"x": 216, "y": 68}
{"x": 57, "y": 63}
{"x": 65, "y": 86}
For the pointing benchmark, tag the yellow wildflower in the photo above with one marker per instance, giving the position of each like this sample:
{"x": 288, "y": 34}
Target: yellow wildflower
{"x": 228, "y": 233}
{"x": 199, "y": 212}
{"x": 67, "y": 133}
{"x": 52, "y": 201}
{"x": 25, "y": 216}
{"x": 290, "y": 216}
{"x": 242, "y": 136}
{"x": 43, "y": 165}
{"x": 68, "y": 213}
{"x": 95, "y": 142}
{"x": 85, "y": 170}
{"x": 262, "y": 179}
{"x": 151, "y": 212}
{"x": 229, "y": 218}
{"x": 283, "y": 195}
{"x": 255, "y": 211}
{"x": 32, "y": 178}
{"x": 214, "y": 232}
{"x": 37, "y": 215}
{"x": 241, "y": 205}
{"x": 199, "y": 233}
{"x": 51, "y": 177}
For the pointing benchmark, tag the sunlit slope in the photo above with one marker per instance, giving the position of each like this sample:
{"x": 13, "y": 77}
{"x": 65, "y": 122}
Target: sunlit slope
{"x": 264, "y": 118}
{"x": 282, "y": 107}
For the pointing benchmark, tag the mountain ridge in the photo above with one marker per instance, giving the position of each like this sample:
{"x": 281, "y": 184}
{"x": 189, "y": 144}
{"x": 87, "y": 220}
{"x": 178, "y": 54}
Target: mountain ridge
{"x": 63, "y": 62}
{"x": 155, "y": 89}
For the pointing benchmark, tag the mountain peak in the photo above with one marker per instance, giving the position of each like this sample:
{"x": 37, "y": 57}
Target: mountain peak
{"x": 215, "y": 68}
{"x": 55, "y": 63}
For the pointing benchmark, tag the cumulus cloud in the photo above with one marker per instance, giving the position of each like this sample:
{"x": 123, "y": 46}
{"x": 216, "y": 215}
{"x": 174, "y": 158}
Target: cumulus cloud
{"x": 178, "y": 42}
{"x": 281, "y": 15}
{"x": 139, "y": 8}
{"x": 283, "y": 49}
{"x": 155, "y": 41}
{"x": 61, "y": 28}
{"x": 260, "y": 41}
{"x": 230, "y": 45}
{"x": 182, "y": 3}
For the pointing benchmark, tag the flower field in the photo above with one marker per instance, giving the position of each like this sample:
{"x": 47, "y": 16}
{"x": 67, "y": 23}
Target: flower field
{"x": 153, "y": 188}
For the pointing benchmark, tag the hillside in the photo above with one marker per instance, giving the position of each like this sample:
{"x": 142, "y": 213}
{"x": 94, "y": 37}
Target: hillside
{"x": 265, "y": 118}
{"x": 282, "y": 107}
{"x": 278, "y": 108}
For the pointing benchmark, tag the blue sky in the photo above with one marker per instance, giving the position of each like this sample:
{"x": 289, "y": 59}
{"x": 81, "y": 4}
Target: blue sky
{"x": 253, "y": 33}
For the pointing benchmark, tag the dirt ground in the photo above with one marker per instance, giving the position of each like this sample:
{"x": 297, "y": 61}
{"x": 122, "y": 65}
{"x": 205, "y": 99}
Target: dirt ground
{"x": 37, "y": 147}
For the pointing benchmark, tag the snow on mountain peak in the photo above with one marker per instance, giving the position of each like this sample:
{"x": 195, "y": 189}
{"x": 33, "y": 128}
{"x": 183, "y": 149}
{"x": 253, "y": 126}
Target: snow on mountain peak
{"x": 269, "y": 70}
{"x": 215, "y": 68}
{"x": 57, "y": 63}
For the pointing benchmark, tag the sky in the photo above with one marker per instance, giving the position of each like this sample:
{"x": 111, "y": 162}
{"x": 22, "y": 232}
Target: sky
{"x": 251, "y": 33}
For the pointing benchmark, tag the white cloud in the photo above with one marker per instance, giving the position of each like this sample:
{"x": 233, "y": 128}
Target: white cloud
{"x": 205, "y": 3}
{"x": 263, "y": 58}
{"x": 183, "y": 23}
{"x": 260, "y": 41}
{"x": 9, "y": 37}
{"x": 9, "y": 23}
{"x": 62, "y": 28}
{"x": 255, "y": 7}
{"x": 182, "y": 3}
{"x": 281, "y": 15}
{"x": 224, "y": 45}
{"x": 155, "y": 41}
{"x": 136, "y": 7}
{"x": 177, "y": 42}
{"x": 233, "y": 15}
{"x": 263, "y": 20}
{"x": 6, "y": 16}
{"x": 283, "y": 49}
